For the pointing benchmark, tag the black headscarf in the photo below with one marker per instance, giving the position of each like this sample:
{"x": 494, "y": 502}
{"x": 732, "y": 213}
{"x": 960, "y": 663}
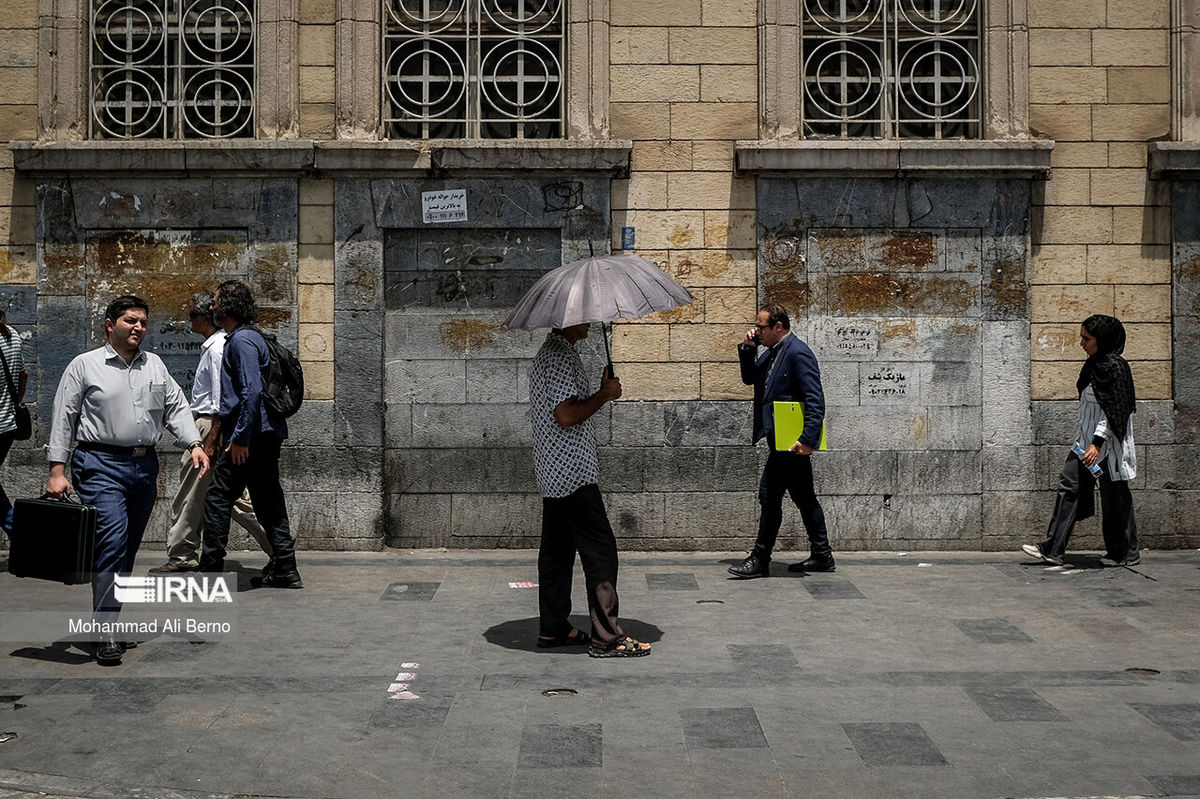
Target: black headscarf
{"x": 1108, "y": 373}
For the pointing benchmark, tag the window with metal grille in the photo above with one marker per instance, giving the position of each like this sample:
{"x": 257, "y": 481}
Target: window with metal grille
{"x": 490, "y": 69}
{"x": 172, "y": 69}
{"x": 891, "y": 69}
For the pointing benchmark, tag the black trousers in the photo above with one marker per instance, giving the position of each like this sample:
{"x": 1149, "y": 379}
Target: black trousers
{"x": 791, "y": 473}
{"x": 1076, "y": 501}
{"x": 260, "y": 474}
{"x": 578, "y": 523}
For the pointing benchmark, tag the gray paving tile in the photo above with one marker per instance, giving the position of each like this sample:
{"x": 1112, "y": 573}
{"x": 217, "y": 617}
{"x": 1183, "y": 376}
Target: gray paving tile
{"x": 1013, "y": 703}
{"x": 722, "y": 728}
{"x": 414, "y": 592}
{"x": 1113, "y": 597}
{"x": 672, "y": 581}
{"x": 561, "y": 746}
{"x": 992, "y": 631}
{"x": 826, "y": 588}
{"x": 763, "y": 658}
{"x": 124, "y": 703}
{"x": 893, "y": 744}
{"x": 1177, "y": 784}
{"x": 1182, "y": 721}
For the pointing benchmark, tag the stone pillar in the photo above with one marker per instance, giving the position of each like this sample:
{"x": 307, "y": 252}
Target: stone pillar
{"x": 358, "y": 68}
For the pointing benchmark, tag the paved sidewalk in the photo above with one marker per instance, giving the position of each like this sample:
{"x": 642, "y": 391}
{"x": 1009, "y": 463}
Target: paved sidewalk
{"x": 415, "y": 674}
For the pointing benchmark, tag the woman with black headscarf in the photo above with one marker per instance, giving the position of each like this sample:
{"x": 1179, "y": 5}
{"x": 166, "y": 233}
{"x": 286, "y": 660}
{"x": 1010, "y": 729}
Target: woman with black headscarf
{"x": 1105, "y": 437}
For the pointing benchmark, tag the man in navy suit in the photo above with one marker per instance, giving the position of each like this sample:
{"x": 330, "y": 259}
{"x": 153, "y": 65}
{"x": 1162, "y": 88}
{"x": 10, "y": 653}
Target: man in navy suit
{"x": 786, "y": 372}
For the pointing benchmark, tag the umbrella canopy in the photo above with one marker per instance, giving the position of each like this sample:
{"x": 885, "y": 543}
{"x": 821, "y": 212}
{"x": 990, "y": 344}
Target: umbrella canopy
{"x": 597, "y": 289}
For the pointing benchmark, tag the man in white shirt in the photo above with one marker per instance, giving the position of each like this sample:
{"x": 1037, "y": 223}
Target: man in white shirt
{"x": 187, "y": 511}
{"x": 114, "y": 402}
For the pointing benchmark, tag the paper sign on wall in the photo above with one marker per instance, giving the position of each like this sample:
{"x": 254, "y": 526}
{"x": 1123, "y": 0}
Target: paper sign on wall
{"x": 444, "y": 206}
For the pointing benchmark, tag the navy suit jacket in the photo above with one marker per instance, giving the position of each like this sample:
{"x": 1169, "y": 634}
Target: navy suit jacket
{"x": 796, "y": 378}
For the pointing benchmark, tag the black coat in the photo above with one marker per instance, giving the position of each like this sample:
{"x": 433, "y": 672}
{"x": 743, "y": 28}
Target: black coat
{"x": 796, "y": 378}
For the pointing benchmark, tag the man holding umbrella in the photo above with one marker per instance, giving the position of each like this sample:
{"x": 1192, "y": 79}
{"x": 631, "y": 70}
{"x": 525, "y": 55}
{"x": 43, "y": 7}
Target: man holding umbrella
{"x": 561, "y": 408}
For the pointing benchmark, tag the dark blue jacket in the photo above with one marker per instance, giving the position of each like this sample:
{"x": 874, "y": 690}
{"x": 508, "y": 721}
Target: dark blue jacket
{"x": 796, "y": 378}
{"x": 244, "y": 370}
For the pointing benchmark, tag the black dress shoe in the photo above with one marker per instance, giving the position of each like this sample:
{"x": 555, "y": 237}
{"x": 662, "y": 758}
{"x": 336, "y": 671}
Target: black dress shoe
{"x": 277, "y": 579}
{"x": 814, "y": 564}
{"x": 753, "y": 566}
{"x": 108, "y": 651}
{"x": 269, "y": 568}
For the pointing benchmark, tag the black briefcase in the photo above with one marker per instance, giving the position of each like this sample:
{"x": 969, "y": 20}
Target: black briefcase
{"x": 52, "y": 539}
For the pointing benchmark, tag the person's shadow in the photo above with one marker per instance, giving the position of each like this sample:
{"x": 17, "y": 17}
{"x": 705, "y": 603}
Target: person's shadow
{"x": 521, "y": 634}
{"x": 73, "y": 653}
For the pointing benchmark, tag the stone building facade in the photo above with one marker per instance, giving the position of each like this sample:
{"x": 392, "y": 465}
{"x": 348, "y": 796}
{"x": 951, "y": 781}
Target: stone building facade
{"x": 938, "y": 255}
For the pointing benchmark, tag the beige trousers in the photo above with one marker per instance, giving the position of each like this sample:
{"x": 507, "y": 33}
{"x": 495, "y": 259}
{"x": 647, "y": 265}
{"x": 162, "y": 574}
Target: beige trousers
{"x": 187, "y": 511}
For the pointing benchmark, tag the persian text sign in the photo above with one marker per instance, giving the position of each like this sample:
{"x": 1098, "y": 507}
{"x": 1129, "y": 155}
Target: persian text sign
{"x": 444, "y": 206}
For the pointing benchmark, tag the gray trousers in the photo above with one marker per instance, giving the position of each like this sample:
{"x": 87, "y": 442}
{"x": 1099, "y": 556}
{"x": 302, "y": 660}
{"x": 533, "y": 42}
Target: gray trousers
{"x": 187, "y": 511}
{"x": 1076, "y": 501}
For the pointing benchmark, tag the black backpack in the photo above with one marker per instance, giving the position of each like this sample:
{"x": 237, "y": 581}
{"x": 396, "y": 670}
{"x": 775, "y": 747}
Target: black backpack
{"x": 284, "y": 389}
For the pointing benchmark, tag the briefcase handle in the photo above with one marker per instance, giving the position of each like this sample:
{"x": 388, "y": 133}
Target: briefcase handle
{"x": 63, "y": 498}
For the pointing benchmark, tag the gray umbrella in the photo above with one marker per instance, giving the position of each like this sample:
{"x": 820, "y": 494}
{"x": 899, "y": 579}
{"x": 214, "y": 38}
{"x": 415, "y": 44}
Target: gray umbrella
{"x": 597, "y": 289}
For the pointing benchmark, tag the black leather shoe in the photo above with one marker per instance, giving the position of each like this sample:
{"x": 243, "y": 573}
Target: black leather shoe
{"x": 211, "y": 566}
{"x": 814, "y": 564}
{"x": 108, "y": 651}
{"x": 269, "y": 568}
{"x": 276, "y": 579}
{"x": 753, "y": 566}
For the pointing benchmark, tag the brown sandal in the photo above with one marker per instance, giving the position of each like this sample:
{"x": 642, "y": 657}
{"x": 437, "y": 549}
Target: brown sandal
{"x": 622, "y": 648}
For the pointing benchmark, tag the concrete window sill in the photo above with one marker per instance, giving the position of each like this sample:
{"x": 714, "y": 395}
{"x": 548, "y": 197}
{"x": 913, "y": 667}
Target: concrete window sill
{"x": 1028, "y": 158}
{"x": 328, "y": 158}
{"x": 1173, "y": 160}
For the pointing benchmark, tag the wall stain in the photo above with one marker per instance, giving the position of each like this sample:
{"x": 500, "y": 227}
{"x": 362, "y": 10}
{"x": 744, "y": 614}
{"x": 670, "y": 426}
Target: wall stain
{"x": 880, "y": 293}
{"x": 681, "y": 237}
{"x": 910, "y": 250}
{"x": 715, "y": 264}
{"x": 841, "y": 251}
{"x": 900, "y": 328}
{"x": 464, "y": 335}
{"x": 791, "y": 294}
{"x": 1005, "y": 286}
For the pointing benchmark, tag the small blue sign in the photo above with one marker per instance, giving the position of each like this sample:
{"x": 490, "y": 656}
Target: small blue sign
{"x": 627, "y": 238}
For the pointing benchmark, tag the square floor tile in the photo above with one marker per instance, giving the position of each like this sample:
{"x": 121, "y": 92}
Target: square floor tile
{"x": 992, "y": 631}
{"x": 1182, "y": 721}
{"x": 415, "y": 592}
{"x": 1114, "y": 597}
{"x": 825, "y": 588}
{"x": 722, "y": 728}
{"x": 1177, "y": 784}
{"x": 893, "y": 744}
{"x": 763, "y": 658}
{"x": 1013, "y": 703}
{"x": 672, "y": 582}
{"x": 561, "y": 746}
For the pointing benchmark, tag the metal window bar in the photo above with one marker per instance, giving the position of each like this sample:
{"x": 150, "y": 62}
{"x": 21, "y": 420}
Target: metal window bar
{"x": 172, "y": 69}
{"x": 891, "y": 69}
{"x": 473, "y": 69}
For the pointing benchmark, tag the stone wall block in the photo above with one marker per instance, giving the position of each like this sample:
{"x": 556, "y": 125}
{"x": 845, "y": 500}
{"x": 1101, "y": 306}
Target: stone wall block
{"x": 359, "y": 275}
{"x": 1053, "y": 421}
{"x": 358, "y": 379}
{"x": 944, "y": 472}
{"x": 639, "y": 424}
{"x": 509, "y": 519}
{"x": 706, "y": 469}
{"x": 495, "y": 381}
{"x": 838, "y": 472}
{"x": 1005, "y": 282}
{"x": 418, "y": 520}
{"x": 462, "y": 425}
{"x": 1006, "y": 414}
{"x": 622, "y": 468}
{"x": 704, "y": 422}
{"x": 639, "y": 517}
{"x": 304, "y": 467}
{"x": 1008, "y": 468}
{"x": 720, "y": 514}
{"x": 443, "y": 471}
{"x": 360, "y": 515}
{"x": 425, "y": 382}
{"x": 475, "y": 335}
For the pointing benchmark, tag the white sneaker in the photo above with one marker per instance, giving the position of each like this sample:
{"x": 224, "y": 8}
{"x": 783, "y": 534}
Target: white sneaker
{"x": 1035, "y": 551}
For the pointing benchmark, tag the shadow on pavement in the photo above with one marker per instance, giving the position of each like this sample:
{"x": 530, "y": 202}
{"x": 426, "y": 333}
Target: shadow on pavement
{"x": 521, "y": 634}
{"x": 57, "y": 652}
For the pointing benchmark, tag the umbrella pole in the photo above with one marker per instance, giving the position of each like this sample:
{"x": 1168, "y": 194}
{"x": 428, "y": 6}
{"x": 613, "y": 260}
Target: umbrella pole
{"x": 606, "y": 330}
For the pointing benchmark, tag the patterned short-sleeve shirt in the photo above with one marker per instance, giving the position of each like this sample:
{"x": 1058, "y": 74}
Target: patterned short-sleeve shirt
{"x": 564, "y": 459}
{"x": 16, "y": 365}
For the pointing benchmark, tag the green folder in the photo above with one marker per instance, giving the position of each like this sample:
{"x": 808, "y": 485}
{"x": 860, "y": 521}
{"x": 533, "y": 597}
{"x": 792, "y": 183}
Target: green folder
{"x": 789, "y": 425}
